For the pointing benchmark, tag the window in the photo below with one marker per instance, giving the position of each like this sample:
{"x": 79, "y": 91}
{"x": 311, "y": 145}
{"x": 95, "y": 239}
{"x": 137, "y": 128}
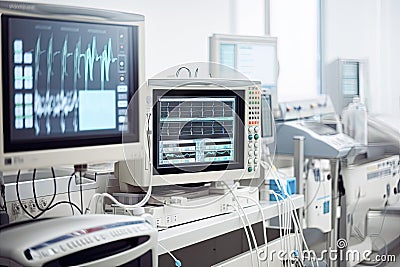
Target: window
{"x": 297, "y": 26}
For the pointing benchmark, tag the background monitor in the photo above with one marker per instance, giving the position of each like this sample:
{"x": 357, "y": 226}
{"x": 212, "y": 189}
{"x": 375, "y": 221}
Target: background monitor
{"x": 254, "y": 56}
{"x": 68, "y": 75}
{"x": 351, "y": 80}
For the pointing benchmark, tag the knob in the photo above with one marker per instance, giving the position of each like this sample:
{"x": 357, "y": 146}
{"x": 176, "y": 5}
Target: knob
{"x": 256, "y": 136}
{"x": 251, "y": 153}
{"x": 250, "y": 145}
{"x": 256, "y": 129}
{"x": 256, "y": 152}
{"x": 251, "y": 128}
{"x": 256, "y": 146}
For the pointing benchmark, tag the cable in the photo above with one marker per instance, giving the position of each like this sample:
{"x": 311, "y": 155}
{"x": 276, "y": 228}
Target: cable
{"x": 50, "y": 205}
{"x": 80, "y": 189}
{"x": 264, "y": 227}
{"x": 148, "y": 132}
{"x": 125, "y": 206}
{"x": 19, "y": 197}
{"x": 248, "y": 222}
{"x": 69, "y": 191}
{"x": 294, "y": 214}
{"x": 183, "y": 67}
{"x": 177, "y": 262}
{"x": 149, "y": 190}
{"x": 315, "y": 195}
{"x": 35, "y": 195}
{"x": 246, "y": 232}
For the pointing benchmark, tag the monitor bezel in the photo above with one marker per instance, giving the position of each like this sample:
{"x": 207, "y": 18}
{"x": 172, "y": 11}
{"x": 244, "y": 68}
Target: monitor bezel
{"x": 239, "y": 134}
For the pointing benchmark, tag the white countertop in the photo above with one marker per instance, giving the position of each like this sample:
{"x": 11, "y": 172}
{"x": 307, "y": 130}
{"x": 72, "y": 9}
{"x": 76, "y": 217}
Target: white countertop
{"x": 188, "y": 234}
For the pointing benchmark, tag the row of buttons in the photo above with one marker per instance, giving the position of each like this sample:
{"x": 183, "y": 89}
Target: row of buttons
{"x": 255, "y": 91}
{"x": 88, "y": 240}
{"x": 254, "y": 129}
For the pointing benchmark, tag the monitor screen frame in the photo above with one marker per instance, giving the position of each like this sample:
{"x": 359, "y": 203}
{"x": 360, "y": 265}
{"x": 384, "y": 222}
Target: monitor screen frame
{"x": 238, "y": 137}
{"x": 81, "y": 151}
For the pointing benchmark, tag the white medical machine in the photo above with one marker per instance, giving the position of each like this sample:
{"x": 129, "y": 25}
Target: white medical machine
{"x": 202, "y": 133}
{"x": 372, "y": 214}
{"x": 67, "y": 76}
{"x": 87, "y": 240}
{"x": 302, "y": 132}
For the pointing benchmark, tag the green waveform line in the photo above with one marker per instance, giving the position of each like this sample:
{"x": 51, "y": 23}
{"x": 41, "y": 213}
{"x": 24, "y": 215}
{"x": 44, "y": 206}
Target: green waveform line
{"x": 106, "y": 58}
{"x": 64, "y": 56}
{"x": 37, "y": 52}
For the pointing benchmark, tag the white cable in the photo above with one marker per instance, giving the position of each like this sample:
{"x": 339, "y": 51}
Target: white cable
{"x": 246, "y": 232}
{"x": 247, "y": 219}
{"x": 264, "y": 230}
{"x": 279, "y": 216}
{"x": 87, "y": 211}
{"x": 149, "y": 190}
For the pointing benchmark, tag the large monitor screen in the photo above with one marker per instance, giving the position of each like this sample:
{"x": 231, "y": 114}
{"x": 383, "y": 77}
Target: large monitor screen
{"x": 66, "y": 84}
{"x": 197, "y": 130}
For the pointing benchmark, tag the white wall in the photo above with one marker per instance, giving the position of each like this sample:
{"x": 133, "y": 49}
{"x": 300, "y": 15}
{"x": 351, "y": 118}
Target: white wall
{"x": 365, "y": 29}
{"x": 176, "y": 31}
{"x": 390, "y": 56}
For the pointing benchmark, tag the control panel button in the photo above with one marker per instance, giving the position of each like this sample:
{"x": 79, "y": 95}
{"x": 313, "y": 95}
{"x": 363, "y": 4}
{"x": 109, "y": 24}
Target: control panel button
{"x": 251, "y": 145}
{"x": 250, "y": 137}
{"x": 255, "y": 160}
{"x": 257, "y": 129}
{"x": 250, "y": 161}
{"x": 250, "y": 169}
{"x": 256, "y": 136}
{"x": 256, "y": 153}
{"x": 251, "y": 153}
{"x": 251, "y": 129}
{"x": 256, "y": 145}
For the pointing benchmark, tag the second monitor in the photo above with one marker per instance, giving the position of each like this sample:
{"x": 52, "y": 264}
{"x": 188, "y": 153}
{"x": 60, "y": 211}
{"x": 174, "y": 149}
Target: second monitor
{"x": 202, "y": 130}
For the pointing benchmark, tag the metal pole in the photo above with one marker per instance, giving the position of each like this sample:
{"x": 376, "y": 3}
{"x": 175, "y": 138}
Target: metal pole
{"x": 333, "y": 235}
{"x": 299, "y": 169}
{"x": 267, "y": 17}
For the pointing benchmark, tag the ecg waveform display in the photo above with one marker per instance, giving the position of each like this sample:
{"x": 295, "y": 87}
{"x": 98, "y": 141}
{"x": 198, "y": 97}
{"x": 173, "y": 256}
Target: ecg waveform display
{"x": 196, "y": 130}
{"x": 196, "y": 117}
{"x": 69, "y": 78}
{"x": 196, "y": 151}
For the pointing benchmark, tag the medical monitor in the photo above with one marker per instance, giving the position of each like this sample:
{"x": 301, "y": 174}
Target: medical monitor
{"x": 67, "y": 77}
{"x": 203, "y": 130}
{"x": 254, "y": 56}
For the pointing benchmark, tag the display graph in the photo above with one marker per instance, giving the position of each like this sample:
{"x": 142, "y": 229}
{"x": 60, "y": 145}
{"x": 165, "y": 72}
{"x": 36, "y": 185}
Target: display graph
{"x": 196, "y": 117}
{"x": 196, "y": 130}
{"x": 55, "y": 62}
